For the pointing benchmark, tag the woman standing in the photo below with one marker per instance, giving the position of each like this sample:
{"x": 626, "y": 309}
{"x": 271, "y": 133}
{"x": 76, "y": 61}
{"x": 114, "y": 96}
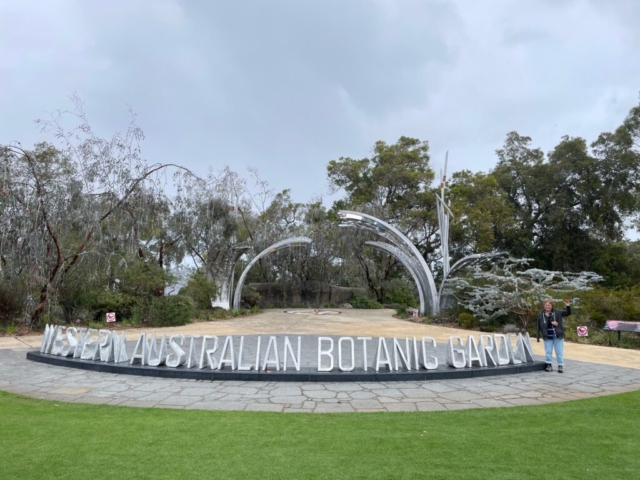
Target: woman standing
{"x": 552, "y": 328}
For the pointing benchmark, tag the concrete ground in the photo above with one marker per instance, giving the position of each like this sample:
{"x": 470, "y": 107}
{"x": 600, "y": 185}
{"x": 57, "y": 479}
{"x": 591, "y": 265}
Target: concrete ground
{"x": 589, "y": 371}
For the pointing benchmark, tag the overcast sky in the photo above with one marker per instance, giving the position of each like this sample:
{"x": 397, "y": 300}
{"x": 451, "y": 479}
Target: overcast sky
{"x": 286, "y": 86}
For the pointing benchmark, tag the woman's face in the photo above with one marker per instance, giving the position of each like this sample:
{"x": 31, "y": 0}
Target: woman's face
{"x": 547, "y": 306}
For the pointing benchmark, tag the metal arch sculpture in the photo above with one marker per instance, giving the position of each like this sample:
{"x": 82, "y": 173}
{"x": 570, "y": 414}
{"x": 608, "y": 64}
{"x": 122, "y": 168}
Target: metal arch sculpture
{"x": 224, "y": 276}
{"x": 369, "y": 222}
{"x": 404, "y": 260}
{"x": 289, "y": 242}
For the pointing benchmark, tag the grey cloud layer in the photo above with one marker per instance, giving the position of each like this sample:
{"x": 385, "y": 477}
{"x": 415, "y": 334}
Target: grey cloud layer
{"x": 286, "y": 86}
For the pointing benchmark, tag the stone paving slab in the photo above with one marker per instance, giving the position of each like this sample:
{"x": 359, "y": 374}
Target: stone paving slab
{"x": 581, "y": 380}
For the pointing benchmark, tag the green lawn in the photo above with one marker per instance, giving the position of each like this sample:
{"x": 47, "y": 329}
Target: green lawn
{"x": 588, "y": 439}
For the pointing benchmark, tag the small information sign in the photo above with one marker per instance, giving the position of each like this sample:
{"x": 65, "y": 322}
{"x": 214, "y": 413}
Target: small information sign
{"x": 415, "y": 313}
{"x": 111, "y": 317}
{"x": 583, "y": 332}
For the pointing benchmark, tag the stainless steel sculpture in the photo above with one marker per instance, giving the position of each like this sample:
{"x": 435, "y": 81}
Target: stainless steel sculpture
{"x": 223, "y": 276}
{"x": 408, "y": 264}
{"x": 444, "y": 218}
{"x": 289, "y": 242}
{"x": 432, "y": 299}
{"x": 409, "y": 251}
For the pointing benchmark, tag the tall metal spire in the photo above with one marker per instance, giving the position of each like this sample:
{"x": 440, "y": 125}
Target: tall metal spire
{"x": 444, "y": 218}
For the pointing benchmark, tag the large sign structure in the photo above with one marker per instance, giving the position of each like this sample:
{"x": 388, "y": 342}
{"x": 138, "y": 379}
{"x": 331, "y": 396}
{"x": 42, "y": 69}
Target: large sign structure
{"x": 252, "y": 357}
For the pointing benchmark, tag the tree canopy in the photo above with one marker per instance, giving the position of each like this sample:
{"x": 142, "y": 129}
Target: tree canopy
{"x": 82, "y": 214}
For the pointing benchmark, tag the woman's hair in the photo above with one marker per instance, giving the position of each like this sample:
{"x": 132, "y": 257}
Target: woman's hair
{"x": 548, "y": 300}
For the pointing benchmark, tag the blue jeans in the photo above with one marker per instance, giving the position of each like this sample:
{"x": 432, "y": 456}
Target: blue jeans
{"x": 558, "y": 345}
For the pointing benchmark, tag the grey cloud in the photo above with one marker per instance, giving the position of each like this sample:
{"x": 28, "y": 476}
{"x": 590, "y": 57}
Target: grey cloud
{"x": 286, "y": 86}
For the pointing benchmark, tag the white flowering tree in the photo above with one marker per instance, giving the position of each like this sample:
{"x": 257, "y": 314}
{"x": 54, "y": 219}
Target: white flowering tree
{"x": 508, "y": 289}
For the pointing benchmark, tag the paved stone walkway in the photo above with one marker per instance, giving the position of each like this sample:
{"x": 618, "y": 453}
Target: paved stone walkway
{"x": 581, "y": 380}
{"x": 617, "y": 370}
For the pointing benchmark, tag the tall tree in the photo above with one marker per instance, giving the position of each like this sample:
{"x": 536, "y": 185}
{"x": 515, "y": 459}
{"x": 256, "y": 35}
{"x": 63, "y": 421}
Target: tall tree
{"x": 394, "y": 184}
{"x": 483, "y": 217}
{"x": 59, "y": 200}
{"x": 574, "y": 204}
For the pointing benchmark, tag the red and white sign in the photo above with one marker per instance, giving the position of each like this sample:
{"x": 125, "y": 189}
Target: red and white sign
{"x": 111, "y": 317}
{"x": 583, "y": 332}
{"x": 415, "y": 313}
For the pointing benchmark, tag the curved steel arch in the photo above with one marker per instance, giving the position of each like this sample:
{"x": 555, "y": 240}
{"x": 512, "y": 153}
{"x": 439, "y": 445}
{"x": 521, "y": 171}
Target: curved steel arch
{"x": 289, "y": 242}
{"x": 224, "y": 279}
{"x": 362, "y": 220}
{"x": 408, "y": 264}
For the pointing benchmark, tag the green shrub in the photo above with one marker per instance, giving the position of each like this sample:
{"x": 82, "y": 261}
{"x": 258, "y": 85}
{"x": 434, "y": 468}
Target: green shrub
{"x": 602, "y": 304}
{"x": 12, "y": 296}
{"x": 171, "y": 311}
{"x": 97, "y": 325}
{"x": 101, "y": 302}
{"x": 401, "y": 311}
{"x": 220, "y": 313}
{"x": 488, "y": 328}
{"x": 399, "y": 291}
{"x": 360, "y": 301}
{"x": 250, "y": 297}
{"x": 467, "y": 320}
{"x": 200, "y": 290}
{"x": 255, "y": 309}
{"x": 143, "y": 280}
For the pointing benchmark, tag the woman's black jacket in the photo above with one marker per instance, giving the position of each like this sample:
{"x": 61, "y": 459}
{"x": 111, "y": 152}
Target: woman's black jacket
{"x": 557, "y": 316}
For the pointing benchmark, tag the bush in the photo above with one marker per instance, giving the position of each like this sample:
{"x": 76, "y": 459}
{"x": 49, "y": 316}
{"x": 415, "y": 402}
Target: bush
{"x": 488, "y": 328}
{"x": 401, "y": 311}
{"x": 602, "y": 304}
{"x": 399, "y": 291}
{"x": 467, "y": 320}
{"x": 200, "y": 290}
{"x": 12, "y": 296}
{"x": 220, "y": 313}
{"x": 171, "y": 311}
{"x": 360, "y": 301}
{"x": 250, "y": 297}
{"x": 103, "y": 301}
{"x": 143, "y": 280}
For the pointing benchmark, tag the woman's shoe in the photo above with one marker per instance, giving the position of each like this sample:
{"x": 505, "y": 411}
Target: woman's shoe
{"x": 560, "y": 369}
{"x": 548, "y": 368}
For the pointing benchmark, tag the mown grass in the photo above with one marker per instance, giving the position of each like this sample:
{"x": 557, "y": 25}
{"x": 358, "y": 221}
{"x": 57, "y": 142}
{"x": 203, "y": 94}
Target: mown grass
{"x": 587, "y": 439}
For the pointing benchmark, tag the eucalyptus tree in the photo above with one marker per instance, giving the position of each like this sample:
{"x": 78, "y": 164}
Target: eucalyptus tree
{"x": 206, "y": 227}
{"x": 58, "y": 203}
